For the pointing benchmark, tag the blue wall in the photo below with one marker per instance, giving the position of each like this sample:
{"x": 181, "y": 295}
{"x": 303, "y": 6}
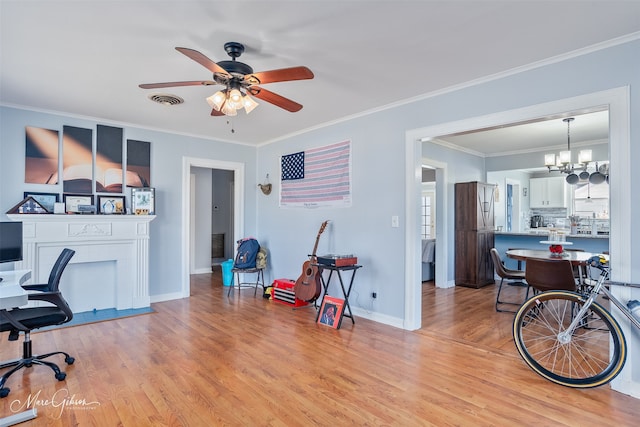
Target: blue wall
{"x": 167, "y": 152}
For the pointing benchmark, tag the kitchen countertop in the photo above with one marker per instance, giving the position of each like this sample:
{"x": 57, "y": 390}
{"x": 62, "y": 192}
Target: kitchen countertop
{"x": 546, "y": 233}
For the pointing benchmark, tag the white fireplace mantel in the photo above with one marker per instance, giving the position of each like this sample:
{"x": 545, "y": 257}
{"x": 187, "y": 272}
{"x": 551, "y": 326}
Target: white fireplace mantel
{"x": 111, "y": 260}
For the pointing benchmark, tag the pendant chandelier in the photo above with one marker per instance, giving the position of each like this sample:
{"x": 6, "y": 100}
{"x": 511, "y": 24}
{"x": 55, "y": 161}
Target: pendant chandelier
{"x": 575, "y": 172}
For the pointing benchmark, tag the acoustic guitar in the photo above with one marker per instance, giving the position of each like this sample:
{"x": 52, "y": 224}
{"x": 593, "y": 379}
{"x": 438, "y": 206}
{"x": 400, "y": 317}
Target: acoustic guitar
{"x": 308, "y": 285}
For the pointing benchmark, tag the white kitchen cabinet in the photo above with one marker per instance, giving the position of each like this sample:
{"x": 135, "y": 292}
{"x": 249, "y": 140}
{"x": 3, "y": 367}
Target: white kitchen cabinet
{"x": 548, "y": 192}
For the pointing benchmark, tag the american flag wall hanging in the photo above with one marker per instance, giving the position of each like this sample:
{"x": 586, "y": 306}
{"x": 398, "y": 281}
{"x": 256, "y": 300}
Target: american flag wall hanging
{"x": 318, "y": 177}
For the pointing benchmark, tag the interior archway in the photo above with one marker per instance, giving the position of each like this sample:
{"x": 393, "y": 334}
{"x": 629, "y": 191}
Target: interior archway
{"x": 617, "y": 101}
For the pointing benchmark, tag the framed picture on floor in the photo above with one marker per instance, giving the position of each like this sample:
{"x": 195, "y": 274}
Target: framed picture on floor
{"x": 330, "y": 313}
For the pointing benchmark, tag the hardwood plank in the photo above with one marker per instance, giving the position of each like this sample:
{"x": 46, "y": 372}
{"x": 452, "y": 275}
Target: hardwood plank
{"x": 243, "y": 360}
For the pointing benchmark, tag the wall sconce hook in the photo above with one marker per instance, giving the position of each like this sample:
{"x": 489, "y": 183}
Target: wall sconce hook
{"x": 266, "y": 187}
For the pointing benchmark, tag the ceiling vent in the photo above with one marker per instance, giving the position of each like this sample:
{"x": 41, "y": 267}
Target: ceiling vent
{"x": 166, "y": 99}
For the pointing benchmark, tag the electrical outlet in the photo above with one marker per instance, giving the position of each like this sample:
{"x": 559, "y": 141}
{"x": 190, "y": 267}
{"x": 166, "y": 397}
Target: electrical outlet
{"x": 374, "y": 295}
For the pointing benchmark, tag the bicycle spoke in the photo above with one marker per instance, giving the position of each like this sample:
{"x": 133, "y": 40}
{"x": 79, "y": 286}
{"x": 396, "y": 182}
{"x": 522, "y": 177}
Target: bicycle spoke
{"x": 579, "y": 360}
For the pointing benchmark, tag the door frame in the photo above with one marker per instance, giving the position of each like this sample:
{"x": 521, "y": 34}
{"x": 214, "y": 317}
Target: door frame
{"x": 618, "y": 102}
{"x": 238, "y": 207}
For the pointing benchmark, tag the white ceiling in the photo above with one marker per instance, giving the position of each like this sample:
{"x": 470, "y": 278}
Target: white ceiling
{"x": 551, "y": 133}
{"x": 86, "y": 58}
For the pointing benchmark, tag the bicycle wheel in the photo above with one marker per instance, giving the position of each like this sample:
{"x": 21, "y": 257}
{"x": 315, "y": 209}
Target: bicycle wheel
{"x": 593, "y": 355}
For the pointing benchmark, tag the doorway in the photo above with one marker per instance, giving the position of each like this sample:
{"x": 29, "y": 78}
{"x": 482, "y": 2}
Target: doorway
{"x": 428, "y": 225}
{"x": 222, "y": 241}
{"x": 211, "y": 218}
{"x": 189, "y": 196}
{"x": 436, "y": 187}
{"x": 618, "y": 102}
{"x": 428, "y": 203}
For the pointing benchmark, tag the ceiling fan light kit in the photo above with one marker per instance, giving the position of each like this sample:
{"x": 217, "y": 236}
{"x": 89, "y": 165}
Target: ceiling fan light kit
{"x": 240, "y": 82}
{"x": 229, "y": 102}
{"x": 562, "y": 163}
{"x": 216, "y": 100}
{"x": 249, "y": 103}
{"x": 229, "y": 109}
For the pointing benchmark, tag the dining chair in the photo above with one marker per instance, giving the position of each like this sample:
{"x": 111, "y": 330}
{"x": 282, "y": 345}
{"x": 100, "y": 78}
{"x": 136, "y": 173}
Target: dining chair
{"x": 579, "y": 271}
{"x": 546, "y": 274}
{"x": 513, "y": 277}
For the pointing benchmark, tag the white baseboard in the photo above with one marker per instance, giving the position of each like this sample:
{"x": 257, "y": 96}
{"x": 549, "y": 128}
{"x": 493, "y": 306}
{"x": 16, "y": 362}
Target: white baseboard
{"x": 166, "y": 297}
{"x": 202, "y": 271}
{"x": 376, "y": 317}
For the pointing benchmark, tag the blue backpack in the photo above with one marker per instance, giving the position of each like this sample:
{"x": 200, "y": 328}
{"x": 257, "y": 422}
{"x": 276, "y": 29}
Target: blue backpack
{"x": 246, "y": 254}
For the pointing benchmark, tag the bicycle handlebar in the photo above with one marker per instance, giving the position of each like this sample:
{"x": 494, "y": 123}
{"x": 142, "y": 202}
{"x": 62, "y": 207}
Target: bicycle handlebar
{"x": 602, "y": 264}
{"x": 599, "y": 262}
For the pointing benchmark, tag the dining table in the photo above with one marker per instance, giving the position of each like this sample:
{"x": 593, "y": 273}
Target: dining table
{"x": 577, "y": 258}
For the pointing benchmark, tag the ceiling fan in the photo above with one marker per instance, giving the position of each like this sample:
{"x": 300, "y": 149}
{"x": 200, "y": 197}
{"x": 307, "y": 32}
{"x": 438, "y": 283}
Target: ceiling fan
{"x": 239, "y": 81}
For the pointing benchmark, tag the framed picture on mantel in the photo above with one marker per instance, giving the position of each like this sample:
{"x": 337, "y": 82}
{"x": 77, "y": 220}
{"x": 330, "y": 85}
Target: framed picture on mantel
{"x": 143, "y": 201}
{"x": 47, "y": 200}
{"x": 78, "y": 203}
{"x": 111, "y": 205}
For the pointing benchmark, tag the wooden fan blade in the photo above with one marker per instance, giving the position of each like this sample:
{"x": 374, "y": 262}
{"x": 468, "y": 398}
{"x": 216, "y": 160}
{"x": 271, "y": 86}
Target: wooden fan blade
{"x": 202, "y": 60}
{"x": 281, "y": 75}
{"x": 216, "y": 113}
{"x": 173, "y": 84}
{"x": 274, "y": 98}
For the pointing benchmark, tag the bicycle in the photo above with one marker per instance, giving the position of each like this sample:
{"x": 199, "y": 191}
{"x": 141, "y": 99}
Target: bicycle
{"x": 569, "y": 338}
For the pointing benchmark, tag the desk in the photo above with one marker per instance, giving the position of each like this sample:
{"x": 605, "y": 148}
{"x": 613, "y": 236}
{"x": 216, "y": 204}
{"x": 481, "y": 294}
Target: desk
{"x": 11, "y": 293}
{"x": 345, "y": 291}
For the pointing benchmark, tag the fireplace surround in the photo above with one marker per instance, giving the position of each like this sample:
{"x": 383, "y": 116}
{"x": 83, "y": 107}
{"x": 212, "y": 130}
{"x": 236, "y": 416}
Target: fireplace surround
{"x": 111, "y": 264}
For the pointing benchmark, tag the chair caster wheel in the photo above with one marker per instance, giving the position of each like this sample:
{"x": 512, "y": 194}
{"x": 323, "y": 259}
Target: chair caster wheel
{"x": 4, "y": 392}
{"x": 61, "y": 376}
{"x": 69, "y": 360}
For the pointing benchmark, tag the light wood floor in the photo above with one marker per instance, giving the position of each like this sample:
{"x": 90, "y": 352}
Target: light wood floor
{"x": 246, "y": 361}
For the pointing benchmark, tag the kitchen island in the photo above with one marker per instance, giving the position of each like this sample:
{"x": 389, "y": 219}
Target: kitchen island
{"x": 595, "y": 243}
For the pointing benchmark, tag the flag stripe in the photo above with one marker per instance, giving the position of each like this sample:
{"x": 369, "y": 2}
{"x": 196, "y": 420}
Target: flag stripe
{"x": 317, "y": 176}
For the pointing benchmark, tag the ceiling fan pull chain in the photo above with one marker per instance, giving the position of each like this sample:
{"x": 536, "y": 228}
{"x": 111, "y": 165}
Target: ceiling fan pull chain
{"x": 230, "y": 123}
